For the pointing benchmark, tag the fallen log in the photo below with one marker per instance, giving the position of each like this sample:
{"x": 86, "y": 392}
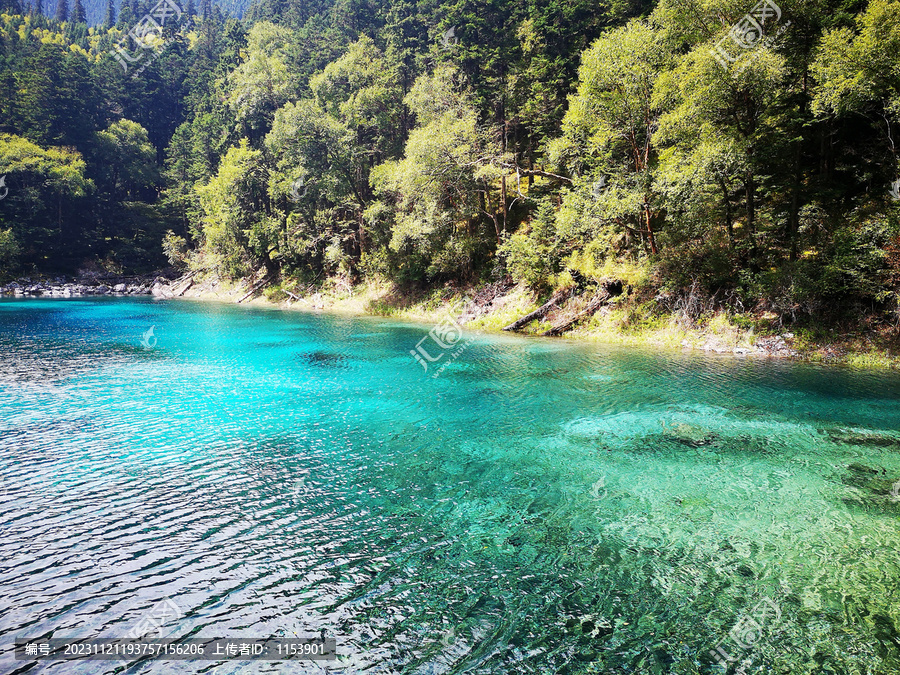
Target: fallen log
{"x": 609, "y": 289}
{"x": 187, "y": 280}
{"x": 541, "y": 311}
{"x": 254, "y": 288}
{"x": 190, "y": 282}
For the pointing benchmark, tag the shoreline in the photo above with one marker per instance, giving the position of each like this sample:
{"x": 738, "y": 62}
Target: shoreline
{"x": 497, "y": 305}
{"x": 488, "y": 309}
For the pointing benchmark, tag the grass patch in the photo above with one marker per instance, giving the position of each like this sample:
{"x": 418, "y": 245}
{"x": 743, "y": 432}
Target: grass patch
{"x": 379, "y": 307}
{"x": 275, "y": 293}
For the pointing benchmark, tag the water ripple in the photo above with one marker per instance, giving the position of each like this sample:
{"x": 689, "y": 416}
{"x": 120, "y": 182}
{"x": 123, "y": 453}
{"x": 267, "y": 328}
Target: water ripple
{"x": 539, "y": 507}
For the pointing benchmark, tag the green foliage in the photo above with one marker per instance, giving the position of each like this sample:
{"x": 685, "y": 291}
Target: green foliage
{"x": 443, "y": 187}
{"x": 262, "y": 83}
{"x": 45, "y": 187}
{"x": 175, "y": 249}
{"x": 531, "y": 254}
{"x": 233, "y": 228}
{"x": 127, "y": 160}
{"x": 857, "y": 69}
{"x": 9, "y": 252}
{"x": 851, "y": 266}
{"x": 553, "y": 141}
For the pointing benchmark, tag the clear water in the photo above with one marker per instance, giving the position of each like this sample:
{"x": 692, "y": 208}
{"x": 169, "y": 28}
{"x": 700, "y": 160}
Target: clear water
{"x": 540, "y": 507}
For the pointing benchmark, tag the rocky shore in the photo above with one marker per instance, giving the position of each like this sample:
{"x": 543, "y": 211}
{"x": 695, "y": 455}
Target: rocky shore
{"x": 779, "y": 345}
{"x": 60, "y": 287}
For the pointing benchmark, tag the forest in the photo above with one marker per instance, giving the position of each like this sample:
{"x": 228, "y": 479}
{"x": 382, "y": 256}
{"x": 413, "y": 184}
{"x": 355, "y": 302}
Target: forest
{"x": 710, "y": 154}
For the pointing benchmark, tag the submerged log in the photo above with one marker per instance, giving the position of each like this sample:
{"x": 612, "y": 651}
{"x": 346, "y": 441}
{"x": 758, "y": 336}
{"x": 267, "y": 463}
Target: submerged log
{"x": 541, "y": 311}
{"x": 608, "y": 290}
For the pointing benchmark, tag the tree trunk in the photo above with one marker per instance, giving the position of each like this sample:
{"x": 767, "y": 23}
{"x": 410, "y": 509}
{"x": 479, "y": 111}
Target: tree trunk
{"x": 794, "y": 215}
{"x": 649, "y": 222}
{"x": 253, "y": 289}
{"x": 503, "y": 203}
{"x": 541, "y": 311}
{"x": 750, "y": 193}
{"x": 530, "y": 165}
{"x": 729, "y": 217}
{"x": 609, "y": 289}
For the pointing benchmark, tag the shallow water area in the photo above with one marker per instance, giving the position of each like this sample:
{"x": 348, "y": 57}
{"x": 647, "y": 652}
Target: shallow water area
{"x": 536, "y": 506}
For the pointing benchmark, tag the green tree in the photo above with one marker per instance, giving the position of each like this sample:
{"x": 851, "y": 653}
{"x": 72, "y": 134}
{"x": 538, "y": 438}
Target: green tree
{"x": 44, "y": 185}
{"x": 237, "y": 231}
{"x": 127, "y": 162}
{"x": 109, "y": 16}
{"x": 262, "y": 83}
{"x": 858, "y": 75}
{"x": 607, "y": 140}
{"x": 436, "y": 200}
{"x": 78, "y": 13}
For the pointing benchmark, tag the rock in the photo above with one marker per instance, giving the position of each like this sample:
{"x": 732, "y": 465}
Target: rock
{"x": 102, "y": 289}
{"x": 741, "y": 350}
{"x": 877, "y": 440}
{"x": 120, "y": 288}
{"x": 690, "y": 435}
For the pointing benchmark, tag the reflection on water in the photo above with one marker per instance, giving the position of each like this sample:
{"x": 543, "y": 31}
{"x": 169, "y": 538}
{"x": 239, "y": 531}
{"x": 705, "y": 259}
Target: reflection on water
{"x": 540, "y": 507}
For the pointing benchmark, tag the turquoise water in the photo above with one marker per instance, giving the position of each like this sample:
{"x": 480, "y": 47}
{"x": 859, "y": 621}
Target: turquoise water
{"x": 539, "y": 507}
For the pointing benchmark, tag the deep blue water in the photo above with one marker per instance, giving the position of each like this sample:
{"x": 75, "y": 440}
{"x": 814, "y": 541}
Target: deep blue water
{"x": 538, "y": 507}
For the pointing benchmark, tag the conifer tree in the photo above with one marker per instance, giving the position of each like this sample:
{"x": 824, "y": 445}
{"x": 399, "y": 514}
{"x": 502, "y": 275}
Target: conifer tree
{"x": 109, "y": 19}
{"x": 78, "y": 13}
